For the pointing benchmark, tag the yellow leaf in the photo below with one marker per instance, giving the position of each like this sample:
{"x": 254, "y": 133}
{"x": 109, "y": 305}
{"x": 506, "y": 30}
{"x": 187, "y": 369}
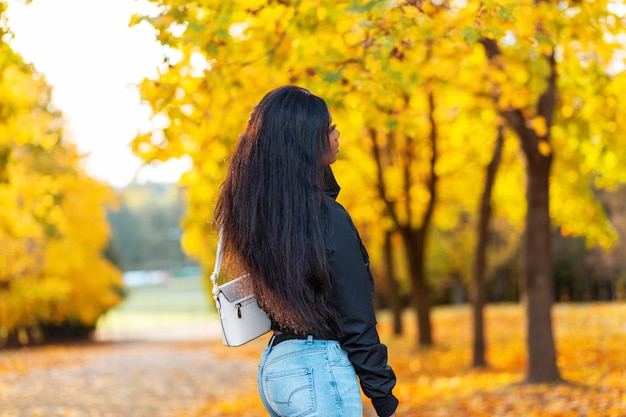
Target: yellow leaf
{"x": 539, "y": 125}
{"x": 544, "y": 148}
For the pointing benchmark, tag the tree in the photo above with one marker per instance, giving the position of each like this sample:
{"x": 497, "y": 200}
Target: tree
{"x": 380, "y": 65}
{"x": 351, "y": 53}
{"x": 535, "y": 39}
{"x": 537, "y": 261}
{"x": 146, "y": 227}
{"x": 480, "y": 268}
{"x": 53, "y": 227}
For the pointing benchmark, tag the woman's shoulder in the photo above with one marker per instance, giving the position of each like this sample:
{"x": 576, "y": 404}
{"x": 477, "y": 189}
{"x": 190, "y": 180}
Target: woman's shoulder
{"x": 335, "y": 209}
{"x": 338, "y": 216}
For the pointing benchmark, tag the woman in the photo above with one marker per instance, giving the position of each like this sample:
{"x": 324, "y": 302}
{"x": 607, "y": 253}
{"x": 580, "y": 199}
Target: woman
{"x": 281, "y": 223}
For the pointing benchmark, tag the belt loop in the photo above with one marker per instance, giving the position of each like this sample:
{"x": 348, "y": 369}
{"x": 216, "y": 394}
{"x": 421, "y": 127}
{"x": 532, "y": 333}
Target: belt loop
{"x": 309, "y": 340}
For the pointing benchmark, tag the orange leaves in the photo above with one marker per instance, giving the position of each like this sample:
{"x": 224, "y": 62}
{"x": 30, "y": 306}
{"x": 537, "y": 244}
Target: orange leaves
{"x": 520, "y": 400}
{"x": 439, "y": 381}
{"x": 248, "y": 405}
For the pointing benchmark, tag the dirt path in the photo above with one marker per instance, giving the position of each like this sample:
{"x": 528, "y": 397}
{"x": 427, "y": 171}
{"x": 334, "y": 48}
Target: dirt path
{"x": 117, "y": 379}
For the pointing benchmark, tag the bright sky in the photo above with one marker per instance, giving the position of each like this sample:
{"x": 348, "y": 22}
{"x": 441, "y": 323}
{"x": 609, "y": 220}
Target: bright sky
{"x": 94, "y": 60}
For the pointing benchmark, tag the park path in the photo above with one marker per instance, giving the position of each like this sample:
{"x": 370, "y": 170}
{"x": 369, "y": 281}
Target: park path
{"x": 147, "y": 377}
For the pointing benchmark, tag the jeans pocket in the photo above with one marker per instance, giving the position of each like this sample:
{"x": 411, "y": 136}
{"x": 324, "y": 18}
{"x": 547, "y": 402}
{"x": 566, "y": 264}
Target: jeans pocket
{"x": 291, "y": 393}
{"x": 340, "y": 358}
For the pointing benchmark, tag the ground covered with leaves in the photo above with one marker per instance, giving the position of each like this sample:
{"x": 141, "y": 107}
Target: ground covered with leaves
{"x": 591, "y": 344}
{"x": 124, "y": 379}
{"x": 204, "y": 378}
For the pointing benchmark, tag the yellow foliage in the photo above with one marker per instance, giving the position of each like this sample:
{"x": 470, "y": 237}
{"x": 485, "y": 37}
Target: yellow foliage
{"x": 53, "y": 226}
{"x": 377, "y": 64}
{"x": 539, "y": 125}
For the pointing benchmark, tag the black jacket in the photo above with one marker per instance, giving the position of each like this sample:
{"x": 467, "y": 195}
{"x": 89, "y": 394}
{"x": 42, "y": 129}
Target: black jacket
{"x": 352, "y": 292}
{"x": 353, "y": 289}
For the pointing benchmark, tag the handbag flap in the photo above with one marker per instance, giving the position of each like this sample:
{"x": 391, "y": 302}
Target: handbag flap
{"x": 238, "y": 289}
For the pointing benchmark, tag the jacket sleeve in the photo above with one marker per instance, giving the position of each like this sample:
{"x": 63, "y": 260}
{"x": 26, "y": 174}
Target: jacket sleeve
{"x": 352, "y": 293}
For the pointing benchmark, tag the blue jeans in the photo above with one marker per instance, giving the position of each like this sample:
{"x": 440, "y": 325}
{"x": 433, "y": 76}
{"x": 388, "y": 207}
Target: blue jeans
{"x": 312, "y": 378}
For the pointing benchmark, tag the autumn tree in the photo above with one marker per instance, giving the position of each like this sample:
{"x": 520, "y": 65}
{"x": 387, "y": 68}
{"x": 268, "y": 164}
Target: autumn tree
{"x": 53, "y": 225}
{"x": 362, "y": 58}
{"x": 535, "y": 53}
{"x": 399, "y": 72}
{"x": 223, "y": 50}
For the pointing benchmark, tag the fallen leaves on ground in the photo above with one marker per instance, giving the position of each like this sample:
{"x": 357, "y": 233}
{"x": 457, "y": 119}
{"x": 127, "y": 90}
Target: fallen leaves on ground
{"x": 55, "y": 356}
{"x": 130, "y": 379}
{"x": 207, "y": 379}
{"x": 439, "y": 381}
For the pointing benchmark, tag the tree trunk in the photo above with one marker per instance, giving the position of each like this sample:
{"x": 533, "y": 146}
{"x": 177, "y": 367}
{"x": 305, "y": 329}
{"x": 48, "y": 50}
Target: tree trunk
{"x": 420, "y": 291}
{"x": 537, "y": 251}
{"x": 415, "y": 240}
{"x": 418, "y": 237}
{"x": 537, "y": 248}
{"x": 539, "y": 291}
{"x": 393, "y": 295}
{"x": 479, "y": 290}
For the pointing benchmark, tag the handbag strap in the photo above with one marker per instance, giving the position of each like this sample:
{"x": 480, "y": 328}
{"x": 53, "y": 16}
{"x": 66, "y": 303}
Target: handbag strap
{"x": 216, "y": 288}
{"x": 218, "y": 265}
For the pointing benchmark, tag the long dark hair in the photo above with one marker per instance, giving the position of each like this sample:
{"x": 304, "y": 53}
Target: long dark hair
{"x": 270, "y": 209}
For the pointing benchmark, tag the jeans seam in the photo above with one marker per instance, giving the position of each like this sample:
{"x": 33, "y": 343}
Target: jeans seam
{"x": 293, "y": 355}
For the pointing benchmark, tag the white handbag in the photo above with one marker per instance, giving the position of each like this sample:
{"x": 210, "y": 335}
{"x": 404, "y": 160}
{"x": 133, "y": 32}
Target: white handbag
{"x": 240, "y": 317}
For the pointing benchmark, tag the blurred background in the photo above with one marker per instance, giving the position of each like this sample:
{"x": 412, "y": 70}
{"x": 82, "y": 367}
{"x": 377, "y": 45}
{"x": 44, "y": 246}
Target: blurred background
{"x": 482, "y": 152}
{"x": 482, "y": 155}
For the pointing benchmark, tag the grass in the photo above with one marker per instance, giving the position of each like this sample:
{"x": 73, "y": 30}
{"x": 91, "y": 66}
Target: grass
{"x": 177, "y": 303}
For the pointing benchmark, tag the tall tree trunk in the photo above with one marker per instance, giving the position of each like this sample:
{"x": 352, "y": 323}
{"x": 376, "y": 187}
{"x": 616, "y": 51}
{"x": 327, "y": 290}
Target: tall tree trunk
{"x": 416, "y": 239}
{"x": 419, "y": 236}
{"x": 393, "y": 295}
{"x": 538, "y": 273}
{"x": 537, "y": 246}
{"x": 479, "y": 290}
{"x": 539, "y": 291}
{"x": 420, "y": 291}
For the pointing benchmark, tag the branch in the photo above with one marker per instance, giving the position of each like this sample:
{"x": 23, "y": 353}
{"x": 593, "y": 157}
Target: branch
{"x": 380, "y": 184}
{"x": 432, "y": 183}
